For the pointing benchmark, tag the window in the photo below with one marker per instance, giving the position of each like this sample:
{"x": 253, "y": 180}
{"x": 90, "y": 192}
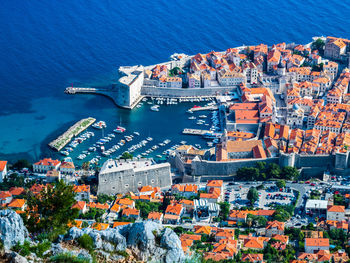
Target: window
{"x": 152, "y": 181}
{"x": 126, "y": 185}
{"x": 139, "y": 183}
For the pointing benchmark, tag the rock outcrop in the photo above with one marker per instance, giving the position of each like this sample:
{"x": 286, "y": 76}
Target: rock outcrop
{"x": 147, "y": 240}
{"x": 12, "y": 229}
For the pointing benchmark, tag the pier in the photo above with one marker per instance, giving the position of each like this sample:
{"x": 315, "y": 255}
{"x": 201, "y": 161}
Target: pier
{"x": 214, "y": 107}
{"x": 75, "y": 130}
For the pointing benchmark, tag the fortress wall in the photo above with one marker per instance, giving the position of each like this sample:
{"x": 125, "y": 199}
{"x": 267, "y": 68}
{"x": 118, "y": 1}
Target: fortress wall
{"x": 184, "y": 92}
{"x": 314, "y": 161}
{"x": 212, "y": 168}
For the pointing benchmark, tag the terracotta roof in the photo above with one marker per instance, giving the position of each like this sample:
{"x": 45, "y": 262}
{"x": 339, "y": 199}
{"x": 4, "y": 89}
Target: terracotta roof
{"x": 17, "y": 203}
{"x": 130, "y": 211}
{"x": 252, "y": 257}
{"x": 155, "y": 215}
{"x": 81, "y": 188}
{"x": 5, "y": 194}
{"x": 48, "y": 162}
{"x": 336, "y": 208}
{"x": 174, "y": 209}
{"x": 215, "y": 183}
{"x": 2, "y": 165}
{"x": 16, "y": 190}
{"x": 317, "y": 242}
{"x": 275, "y": 224}
{"x": 100, "y": 226}
{"x": 116, "y": 224}
{"x": 79, "y": 205}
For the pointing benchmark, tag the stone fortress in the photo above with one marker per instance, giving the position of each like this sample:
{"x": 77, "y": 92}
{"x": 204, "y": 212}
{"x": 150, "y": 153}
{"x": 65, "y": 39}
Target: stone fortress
{"x": 123, "y": 176}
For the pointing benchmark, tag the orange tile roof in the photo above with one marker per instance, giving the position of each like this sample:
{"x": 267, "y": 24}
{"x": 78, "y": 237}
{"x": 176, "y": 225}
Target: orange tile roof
{"x": 79, "y": 205}
{"x": 174, "y": 209}
{"x": 2, "y": 165}
{"x": 125, "y": 201}
{"x": 317, "y": 242}
{"x": 130, "y": 211}
{"x": 202, "y": 229}
{"x": 16, "y": 190}
{"x": 215, "y": 183}
{"x": 5, "y": 194}
{"x": 48, "y": 162}
{"x": 17, "y": 203}
{"x": 81, "y": 188}
{"x": 116, "y": 224}
{"x": 100, "y": 226}
{"x": 336, "y": 208}
{"x": 252, "y": 257}
{"x": 275, "y": 224}
{"x": 155, "y": 215}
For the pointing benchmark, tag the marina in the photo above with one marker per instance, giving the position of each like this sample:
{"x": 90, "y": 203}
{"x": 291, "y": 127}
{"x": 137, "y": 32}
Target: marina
{"x": 137, "y": 133}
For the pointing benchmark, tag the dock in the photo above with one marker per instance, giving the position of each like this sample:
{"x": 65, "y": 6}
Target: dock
{"x": 73, "y": 131}
{"x": 194, "y": 131}
{"x": 205, "y": 108}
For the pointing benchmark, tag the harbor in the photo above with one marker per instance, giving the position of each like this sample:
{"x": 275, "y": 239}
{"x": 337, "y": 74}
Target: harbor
{"x": 137, "y": 132}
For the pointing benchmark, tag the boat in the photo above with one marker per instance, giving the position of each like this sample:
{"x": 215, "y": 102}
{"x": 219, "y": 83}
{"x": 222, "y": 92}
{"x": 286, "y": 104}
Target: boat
{"x": 64, "y": 153}
{"x": 189, "y": 111}
{"x": 155, "y": 108}
{"x": 119, "y": 129}
{"x": 202, "y": 116}
{"x": 99, "y": 125}
{"x": 137, "y": 133}
{"x": 192, "y": 118}
{"x": 159, "y": 156}
{"x": 183, "y": 142}
{"x": 149, "y": 139}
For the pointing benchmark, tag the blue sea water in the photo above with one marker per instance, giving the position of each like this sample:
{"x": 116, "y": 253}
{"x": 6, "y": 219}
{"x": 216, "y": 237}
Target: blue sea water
{"x": 47, "y": 45}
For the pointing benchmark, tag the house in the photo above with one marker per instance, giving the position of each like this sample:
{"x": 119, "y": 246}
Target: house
{"x": 155, "y": 217}
{"x": 227, "y": 149}
{"x": 237, "y": 215}
{"x": 82, "y": 192}
{"x": 117, "y": 224}
{"x": 17, "y": 204}
{"x": 53, "y": 176}
{"x": 100, "y": 226}
{"x": 207, "y": 230}
{"x": 335, "y": 47}
{"x": 145, "y": 190}
{"x": 131, "y": 213}
{"x": 16, "y": 191}
{"x": 81, "y": 206}
{"x": 45, "y": 165}
{"x": 219, "y": 184}
{"x": 228, "y": 234}
{"x": 37, "y": 188}
{"x": 173, "y": 214}
{"x": 67, "y": 167}
{"x": 3, "y": 170}
{"x": 255, "y": 243}
{"x": 274, "y": 228}
{"x": 313, "y": 245}
{"x": 5, "y": 197}
{"x": 126, "y": 202}
{"x": 213, "y": 196}
{"x": 255, "y": 258}
{"x": 186, "y": 190}
{"x": 336, "y": 212}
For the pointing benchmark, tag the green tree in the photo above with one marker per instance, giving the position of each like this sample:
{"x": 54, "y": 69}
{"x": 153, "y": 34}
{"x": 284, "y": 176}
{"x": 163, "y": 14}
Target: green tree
{"x": 318, "y": 44}
{"x": 252, "y": 195}
{"x": 339, "y": 200}
{"x": 126, "y": 156}
{"x": 290, "y": 173}
{"x": 248, "y": 173}
{"x": 273, "y": 171}
{"x": 224, "y": 210}
{"x": 281, "y": 183}
{"x": 52, "y": 209}
{"x": 22, "y": 163}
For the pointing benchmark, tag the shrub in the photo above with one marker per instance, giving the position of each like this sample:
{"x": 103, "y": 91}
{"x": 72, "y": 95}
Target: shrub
{"x": 68, "y": 258}
{"x": 122, "y": 253}
{"x": 85, "y": 241}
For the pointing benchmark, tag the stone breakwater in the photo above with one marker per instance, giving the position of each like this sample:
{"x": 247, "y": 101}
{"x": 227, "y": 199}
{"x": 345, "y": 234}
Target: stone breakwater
{"x": 73, "y": 131}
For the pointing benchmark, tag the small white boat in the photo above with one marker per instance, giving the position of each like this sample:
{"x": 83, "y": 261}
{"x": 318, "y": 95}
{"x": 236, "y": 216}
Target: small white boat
{"x": 202, "y": 116}
{"x": 155, "y": 108}
{"x": 192, "y": 118}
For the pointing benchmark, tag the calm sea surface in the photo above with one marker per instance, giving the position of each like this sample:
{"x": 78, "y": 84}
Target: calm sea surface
{"x": 47, "y": 45}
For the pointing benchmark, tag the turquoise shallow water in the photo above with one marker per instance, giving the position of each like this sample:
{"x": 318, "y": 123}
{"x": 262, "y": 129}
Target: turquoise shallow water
{"x": 45, "y": 46}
